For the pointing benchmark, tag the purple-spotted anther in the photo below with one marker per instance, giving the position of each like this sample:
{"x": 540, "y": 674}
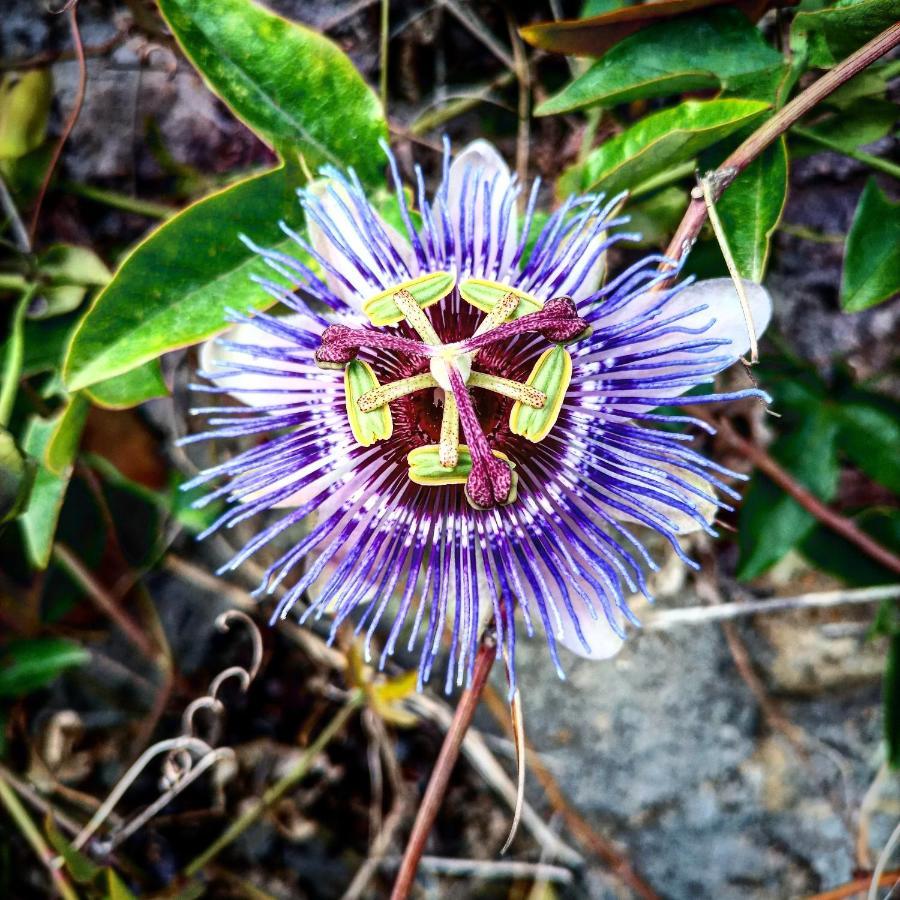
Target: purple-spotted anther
{"x": 458, "y": 414}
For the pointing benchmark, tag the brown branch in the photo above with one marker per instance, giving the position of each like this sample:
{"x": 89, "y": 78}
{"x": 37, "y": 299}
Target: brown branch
{"x": 104, "y": 601}
{"x": 695, "y": 215}
{"x": 825, "y": 514}
{"x": 72, "y": 10}
{"x": 440, "y": 776}
{"x": 857, "y": 887}
{"x": 619, "y": 864}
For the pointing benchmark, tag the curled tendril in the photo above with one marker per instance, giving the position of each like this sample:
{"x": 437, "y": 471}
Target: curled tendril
{"x": 187, "y": 756}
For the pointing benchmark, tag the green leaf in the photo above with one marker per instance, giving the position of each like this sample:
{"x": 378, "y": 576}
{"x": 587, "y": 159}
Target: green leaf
{"x": 16, "y": 477}
{"x": 27, "y": 665}
{"x": 80, "y": 867}
{"x": 871, "y": 272}
{"x": 829, "y": 35}
{"x": 292, "y": 86}
{"x": 686, "y": 54}
{"x": 661, "y": 140}
{"x": 131, "y": 388}
{"x": 870, "y": 436}
{"x": 771, "y": 522}
{"x": 830, "y": 552}
{"x": 25, "y": 99}
{"x": 751, "y": 209}
{"x": 66, "y": 273}
{"x": 62, "y": 446}
{"x": 116, "y": 889}
{"x": 173, "y": 289}
{"x": 656, "y": 217}
{"x": 846, "y": 129}
{"x": 39, "y": 520}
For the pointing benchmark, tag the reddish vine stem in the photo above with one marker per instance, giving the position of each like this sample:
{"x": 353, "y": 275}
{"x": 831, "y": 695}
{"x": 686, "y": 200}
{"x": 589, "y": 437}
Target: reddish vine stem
{"x": 440, "y": 775}
{"x": 72, "y": 9}
{"x": 810, "y": 502}
{"x": 792, "y": 112}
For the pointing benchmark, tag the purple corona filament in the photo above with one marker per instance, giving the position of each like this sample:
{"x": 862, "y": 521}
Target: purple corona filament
{"x": 463, "y": 424}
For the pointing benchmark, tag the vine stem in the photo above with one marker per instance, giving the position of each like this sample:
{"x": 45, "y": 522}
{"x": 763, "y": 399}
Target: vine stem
{"x": 288, "y": 781}
{"x": 841, "y": 525}
{"x": 72, "y": 9}
{"x": 695, "y": 215}
{"x": 440, "y": 775}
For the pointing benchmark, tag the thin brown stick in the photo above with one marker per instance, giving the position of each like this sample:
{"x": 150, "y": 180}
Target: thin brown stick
{"x": 857, "y": 887}
{"x": 695, "y": 216}
{"x": 523, "y": 76}
{"x": 72, "y": 10}
{"x": 440, "y": 776}
{"x": 825, "y": 514}
{"x": 48, "y": 57}
{"x": 619, "y": 864}
{"x": 104, "y": 601}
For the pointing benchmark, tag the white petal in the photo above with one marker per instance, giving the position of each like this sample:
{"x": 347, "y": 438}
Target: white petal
{"x": 351, "y": 233}
{"x": 246, "y": 386}
{"x": 599, "y": 634}
{"x": 486, "y": 167}
{"x": 723, "y": 305}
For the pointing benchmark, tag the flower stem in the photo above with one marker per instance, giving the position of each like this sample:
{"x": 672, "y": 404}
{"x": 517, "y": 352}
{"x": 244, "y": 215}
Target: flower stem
{"x": 695, "y": 216}
{"x": 440, "y": 776}
{"x": 280, "y": 788}
{"x": 34, "y": 837}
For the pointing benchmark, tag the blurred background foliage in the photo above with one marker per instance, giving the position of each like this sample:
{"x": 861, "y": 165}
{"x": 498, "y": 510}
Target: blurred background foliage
{"x": 110, "y": 273}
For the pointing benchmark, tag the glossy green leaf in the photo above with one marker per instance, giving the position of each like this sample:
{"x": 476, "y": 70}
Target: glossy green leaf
{"x": 16, "y": 477}
{"x": 39, "y": 520}
{"x": 62, "y": 445}
{"x": 829, "y": 35}
{"x": 28, "y": 665}
{"x": 771, "y": 522}
{"x": 131, "y": 388}
{"x": 751, "y": 209}
{"x": 662, "y": 140}
{"x": 870, "y": 437}
{"x": 872, "y": 255}
{"x": 25, "y": 99}
{"x": 595, "y": 35}
{"x": 598, "y": 7}
{"x": 846, "y": 129}
{"x": 686, "y": 54}
{"x": 292, "y": 86}
{"x": 173, "y": 289}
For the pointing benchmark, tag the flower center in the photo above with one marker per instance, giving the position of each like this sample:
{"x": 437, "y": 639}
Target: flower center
{"x": 488, "y": 475}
